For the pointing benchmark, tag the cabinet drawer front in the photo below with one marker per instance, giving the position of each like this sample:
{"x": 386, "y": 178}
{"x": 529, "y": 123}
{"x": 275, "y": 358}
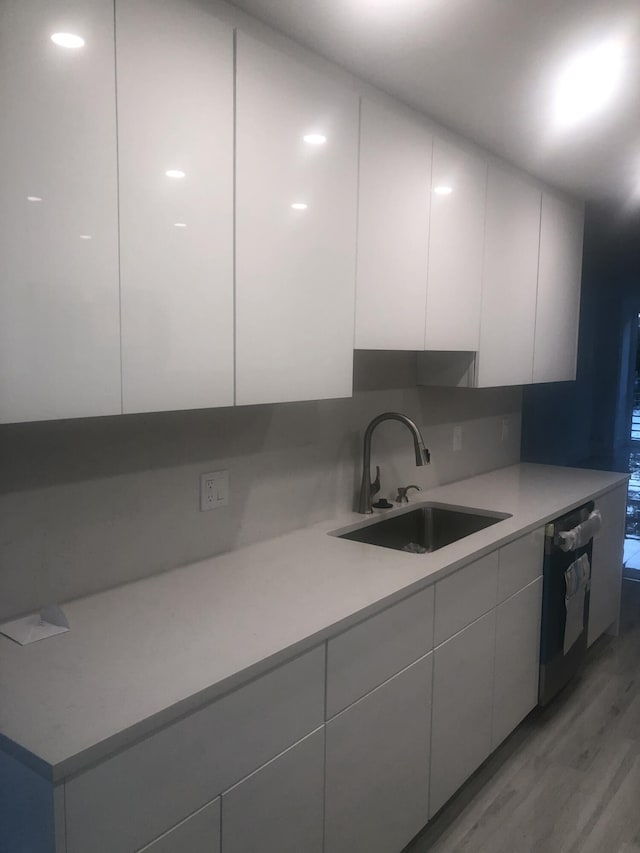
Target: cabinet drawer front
{"x": 371, "y": 652}
{"x": 462, "y": 703}
{"x": 199, "y": 833}
{"x": 132, "y": 798}
{"x": 378, "y": 766}
{"x": 520, "y": 563}
{"x": 279, "y": 808}
{"x": 464, "y": 596}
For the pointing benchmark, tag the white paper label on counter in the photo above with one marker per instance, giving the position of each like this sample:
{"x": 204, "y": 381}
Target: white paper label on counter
{"x": 37, "y": 626}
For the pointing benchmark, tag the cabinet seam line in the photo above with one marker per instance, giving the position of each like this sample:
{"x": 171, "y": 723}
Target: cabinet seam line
{"x": 428, "y": 252}
{"x": 235, "y": 216}
{"x": 535, "y": 313}
{"x": 118, "y": 213}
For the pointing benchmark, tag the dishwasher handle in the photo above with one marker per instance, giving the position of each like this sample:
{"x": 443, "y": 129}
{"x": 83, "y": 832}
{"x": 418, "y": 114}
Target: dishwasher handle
{"x": 578, "y": 537}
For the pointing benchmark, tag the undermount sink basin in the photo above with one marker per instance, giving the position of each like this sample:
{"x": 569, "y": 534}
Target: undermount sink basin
{"x": 425, "y": 528}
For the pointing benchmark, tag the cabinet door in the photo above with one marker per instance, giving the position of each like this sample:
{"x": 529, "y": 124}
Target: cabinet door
{"x": 295, "y": 229}
{"x": 509, "y": 280}
{"x": 558, "y": 305}
{"x": 520, "y": 563}
{"x": 377, "y": 766}
{"x": 59, "y": 308}
{"x": 393, "y": 229}
{"x": 517, "y": 662}
{"x": 462, "y": 704}
{"x": 465, "y": 595}
{"x": 279, "y": 808}
{"x": 369, "y": 653}
{"x": 456, "y": 242}
{"x": 199, "y": 833}
{"x": 606, "y": 563}
{"x": 175, "y": 117}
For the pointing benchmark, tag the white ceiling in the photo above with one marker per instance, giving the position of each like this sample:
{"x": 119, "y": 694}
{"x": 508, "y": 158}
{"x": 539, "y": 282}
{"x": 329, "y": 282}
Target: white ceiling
{"x": 486, "y": 69}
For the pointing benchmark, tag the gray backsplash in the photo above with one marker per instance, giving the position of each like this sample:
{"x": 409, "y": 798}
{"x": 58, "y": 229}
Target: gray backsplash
{"x": 89, "y": 504}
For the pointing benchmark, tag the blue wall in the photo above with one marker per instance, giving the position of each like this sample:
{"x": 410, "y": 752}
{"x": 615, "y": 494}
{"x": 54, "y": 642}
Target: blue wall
{"x": 574, "y": 423}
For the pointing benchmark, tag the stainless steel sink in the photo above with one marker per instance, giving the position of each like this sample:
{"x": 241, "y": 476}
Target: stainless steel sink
{"x": 425, "y": 528}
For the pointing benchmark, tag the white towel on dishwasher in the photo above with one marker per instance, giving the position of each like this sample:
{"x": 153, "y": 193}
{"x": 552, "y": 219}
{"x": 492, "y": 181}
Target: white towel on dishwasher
{"x": 577, "y": 578}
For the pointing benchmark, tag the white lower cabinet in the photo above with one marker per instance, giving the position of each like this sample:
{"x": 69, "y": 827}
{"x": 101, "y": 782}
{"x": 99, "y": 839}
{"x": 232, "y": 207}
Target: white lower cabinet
{"x": 199, "y": 833}
{"x": 377, "y": 766}
{"x": 606, "y": 563}
{"x": 462, "y": 703}
{"x": 517, "y": 661}
{"x": 279, "y": 808}
{"x": 134, "y": 796}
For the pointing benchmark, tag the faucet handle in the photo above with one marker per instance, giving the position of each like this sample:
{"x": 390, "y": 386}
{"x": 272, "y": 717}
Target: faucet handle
{"x": 402, "y": 493}
{"x": 375, "y": 486}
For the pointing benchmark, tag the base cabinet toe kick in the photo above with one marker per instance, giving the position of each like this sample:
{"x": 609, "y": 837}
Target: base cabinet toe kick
{"x": 354, "y": 744}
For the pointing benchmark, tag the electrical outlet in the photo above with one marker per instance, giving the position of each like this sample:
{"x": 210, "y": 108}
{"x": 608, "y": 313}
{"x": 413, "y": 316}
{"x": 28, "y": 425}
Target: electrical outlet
{"x": 457, "y": 437}
{"x": 506, "y": 429}
{"x": 214, "y": 490}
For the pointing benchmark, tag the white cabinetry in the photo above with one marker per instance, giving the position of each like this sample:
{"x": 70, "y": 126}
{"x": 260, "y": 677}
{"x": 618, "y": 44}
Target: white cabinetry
{"x": 393, "y": 229}
{"x": 377, "y": 766}
{"x": 509, "y": 280}
{"x": 606, "y": 564}
{"x": 279, "y": 808}
{"x": 175, "y": 115}
{"x": 136, "y": 795}
{"x": 462, "y": 703}
{"x": 59, "y": 303}
{"x": 295, "y": 265}
{"x": 517, "y": 662}
{"x": 377, "y": 648}
{"x": 456, "y": 243}
{"x": 558, "y": 304}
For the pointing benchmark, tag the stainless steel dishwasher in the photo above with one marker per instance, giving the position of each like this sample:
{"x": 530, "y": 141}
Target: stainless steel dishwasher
{"x": 558, "y": 665}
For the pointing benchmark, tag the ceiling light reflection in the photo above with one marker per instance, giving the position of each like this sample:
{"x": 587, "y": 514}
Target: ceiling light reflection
{"x": 315, "y": 138}
{"x": 175, "y": 173}
{"x": 67, "y": 40}
{"x": 299, "y": 205}
{"x": 443, "y": 189}
{"x": 33, "y": 198}
{"x": 179, "y": 224}
{"x": 588, "y": 82}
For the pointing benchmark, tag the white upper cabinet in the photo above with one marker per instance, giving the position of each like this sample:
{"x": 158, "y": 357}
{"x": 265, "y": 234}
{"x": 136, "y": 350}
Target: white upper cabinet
{"x": 509, "y": 285}
{"x": 296, "y": 186}
{"x": 393, "y": 229}
{"x": 456, "y": 242}
{"x": 558, "y": 308}
{"x": 59, "y": 309}
{"x": 175, "y": 127}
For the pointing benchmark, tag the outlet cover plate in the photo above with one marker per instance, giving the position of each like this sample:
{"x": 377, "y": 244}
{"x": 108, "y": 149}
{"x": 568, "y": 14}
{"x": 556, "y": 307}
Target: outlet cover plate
{"x": 214, "y": 490}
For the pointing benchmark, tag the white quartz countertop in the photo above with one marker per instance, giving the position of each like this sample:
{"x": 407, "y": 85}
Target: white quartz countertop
{"x": 141, "y": 655}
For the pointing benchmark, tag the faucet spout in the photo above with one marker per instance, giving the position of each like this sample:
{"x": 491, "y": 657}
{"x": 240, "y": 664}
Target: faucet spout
{"x": 422, "y": 455}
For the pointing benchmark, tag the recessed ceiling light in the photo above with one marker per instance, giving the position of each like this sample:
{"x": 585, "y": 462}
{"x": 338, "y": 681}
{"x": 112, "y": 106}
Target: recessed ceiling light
{"x": 443, "y": 189}
{"x": 299, "y": 205}
{"x": 179, "y": 224}
{"x": 315, "y": 138}
{"x": 67, "y": 40}
{"x": 588, "y": 82}
{"x": 175, "y": 173}
{"x": 33, "y": 198}
{"x": 86, "y": 237}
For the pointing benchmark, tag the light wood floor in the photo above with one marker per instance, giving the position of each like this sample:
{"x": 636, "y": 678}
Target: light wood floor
{"x": 568, "y": 779}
